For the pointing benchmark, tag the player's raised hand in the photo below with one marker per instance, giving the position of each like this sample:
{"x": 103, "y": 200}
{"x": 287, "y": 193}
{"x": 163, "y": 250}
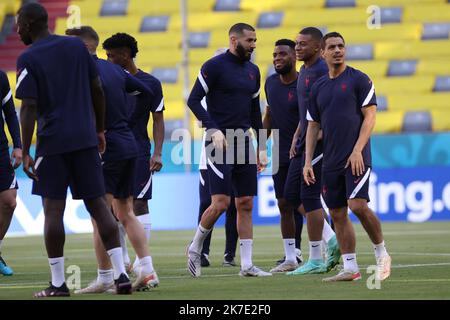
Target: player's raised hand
{"x": 16, "y": 158}
{"x": 28, "y": 167}
{"x": 219, "y": 140}
{"x": 101, "y": 142}
{"x": 262, "y": 160}
{"x": 356, "y": 162}
{"x": 156, "y": 162}
{"x": 308, "y": 174}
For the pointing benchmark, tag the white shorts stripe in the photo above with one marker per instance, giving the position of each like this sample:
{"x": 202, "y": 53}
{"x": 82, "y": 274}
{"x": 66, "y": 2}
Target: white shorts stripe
{"x": 147, "y": 186}
{"x": 13, "y": 184}
{"x": 6, "y": 99}
{"x": 216, "y": 171}
{"x": 369, "y": 96}
{"x": 317, "y": 159}
{"x": 38, "y": 162}
{"x": 203, "y": 82}
{"x": 22, "y": 76}
{"x": 202, "y": 181}
{"x": 160, "y": 106}
{"x": 360, "y": 184}
{"x": 256, "y": 94}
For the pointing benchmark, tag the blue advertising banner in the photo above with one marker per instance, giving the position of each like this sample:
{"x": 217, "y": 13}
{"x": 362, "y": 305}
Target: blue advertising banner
{"x": 404, "y": 194}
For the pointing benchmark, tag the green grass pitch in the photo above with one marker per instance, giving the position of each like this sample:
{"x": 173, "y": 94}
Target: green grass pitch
{"x": 420, "y": 257}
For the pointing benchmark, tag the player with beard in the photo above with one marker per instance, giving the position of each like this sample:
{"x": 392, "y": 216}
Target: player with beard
{"x": 282, "y": 115}
{"x": 231, "y": 84}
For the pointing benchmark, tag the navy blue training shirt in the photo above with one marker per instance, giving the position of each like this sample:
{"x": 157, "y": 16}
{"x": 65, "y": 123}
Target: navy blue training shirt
{"x": 336, "y": 104}
{"x": 283, "y": 108}
{"x": 307, "y": 77}
{"x": 117, "y": 84}
{"x": 57, "y": 71}
{"x": 231, "y": 87}
{"x": 9, "y": 112}
{"x": 140, "y": 108}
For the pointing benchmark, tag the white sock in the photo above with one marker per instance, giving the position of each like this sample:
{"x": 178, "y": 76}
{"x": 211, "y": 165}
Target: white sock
{"x": 350, "y": 262}
{"x": 115, "y": 255}
{"x": 200, "y": 235}
{"x": 105, "y": 276}
{"x": 380, "y": 250}
{"x": 136, "y": 263}
{"x": 145, "y": 221}
{"x": 246, "y": 248}
{"x": 146, "y": 264}
{"x": 123, "y": 243}
{"x": 327, "y": 232}
{"x": 315, "y": 250}
{"x": 57, "y": 270}
{"x": 289, "y": 249}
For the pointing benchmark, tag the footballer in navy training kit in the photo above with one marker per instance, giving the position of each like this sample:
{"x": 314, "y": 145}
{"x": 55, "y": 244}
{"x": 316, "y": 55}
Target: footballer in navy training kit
{"x": 59, "y": 86}
{"x": 231, "y": 84}
{"x": 8, "y": 181}
{"x": 307, "y": 50}
{"x": 119, "y": 161}
{"x": 282, "y": 115}
{"x": 343, "y": 104}
{"x": 121, "y": 49}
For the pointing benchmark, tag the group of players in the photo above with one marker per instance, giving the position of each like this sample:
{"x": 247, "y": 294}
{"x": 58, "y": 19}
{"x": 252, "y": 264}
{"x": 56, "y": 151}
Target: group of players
{"x": 92, "y": 117}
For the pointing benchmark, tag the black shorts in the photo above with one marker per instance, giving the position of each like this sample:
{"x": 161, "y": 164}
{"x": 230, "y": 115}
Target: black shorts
{"x": 340, "y": 185}
{"x": 7, "y": 175}
{"x": 81, "y": 170}
{"x": 119, "y": 177}
{"x": 143, "y": 183}
{"x": 279, "y": 180}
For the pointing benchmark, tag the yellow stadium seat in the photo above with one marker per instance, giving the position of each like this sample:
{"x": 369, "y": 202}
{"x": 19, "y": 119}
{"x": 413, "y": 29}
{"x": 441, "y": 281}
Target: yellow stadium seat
{"x": 387, "y": 3}
{"x": 432, "y": 101}
{"x": 427, "y": 13}
{"x": 404, "y": 85}
{"x": 135, "y": 7}
{"x": 89, "y": 8}
{"x": 271, "y": 5}
{"x": 214, "y": 20}
{"x": 434, "y": 67}
{"x": 388, "y": 122}
{"x": 389, "y": 32}
{"x": 441, "y": 120}
{"x": 374, "y": 69}
{"x": 412, "y": 49}
{"x": 174, "y": 109}
{"x": 105, "y": 25}
{"x": 322, "y": 17}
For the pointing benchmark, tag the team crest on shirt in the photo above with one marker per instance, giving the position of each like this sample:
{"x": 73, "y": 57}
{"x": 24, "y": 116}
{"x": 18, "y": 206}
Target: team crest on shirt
{"x": 324, "y": 189}
{"x": 344, "y": 86}
{"x": 307, "y": 82}
{"x": 290, "y": 96}
{"x": 251, "y": 75}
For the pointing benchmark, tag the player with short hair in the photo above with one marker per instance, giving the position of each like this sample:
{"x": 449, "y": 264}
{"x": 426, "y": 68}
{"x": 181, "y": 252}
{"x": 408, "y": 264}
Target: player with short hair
{"x": 343, "y": 104}
{"x": 231, "y": 84}
{"x": 282, "y": 115}
{"x": 307, "y": 49}
{"x": 59, "y": 86}
{"x": 119, "y": 162}
{"x": 8, "y": 181}
{"x": 122, "y": 49}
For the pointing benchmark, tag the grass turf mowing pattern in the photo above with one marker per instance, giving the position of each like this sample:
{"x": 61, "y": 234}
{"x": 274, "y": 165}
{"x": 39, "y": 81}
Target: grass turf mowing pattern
{"x": 420, "y": 254}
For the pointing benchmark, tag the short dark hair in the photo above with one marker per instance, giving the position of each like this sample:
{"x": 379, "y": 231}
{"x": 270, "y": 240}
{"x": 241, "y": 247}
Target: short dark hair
{"x": 35, "y": 13}
{"x": 286, "y": 42}
{"x": 240, "y": 27}
{"x": 331, "y": 35}
{"x": 122, "y": 40}
{"x": 315, "y": 33}
{"x": 84, "y": 32}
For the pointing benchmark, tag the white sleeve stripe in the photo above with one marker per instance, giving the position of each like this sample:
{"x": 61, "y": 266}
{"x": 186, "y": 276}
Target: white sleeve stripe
{"x": 308, "y": 116}
{"x": 369, "y": 96}
{"x": 160, "y": 106}
{"x": 317, "y": 159}
{"x": 203, "y": 82}
{"x": 256, "y": 94}
{"x": 6, "y": 99}
{"x": 22, "y": 76}
{"x": 135, "y": 93}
